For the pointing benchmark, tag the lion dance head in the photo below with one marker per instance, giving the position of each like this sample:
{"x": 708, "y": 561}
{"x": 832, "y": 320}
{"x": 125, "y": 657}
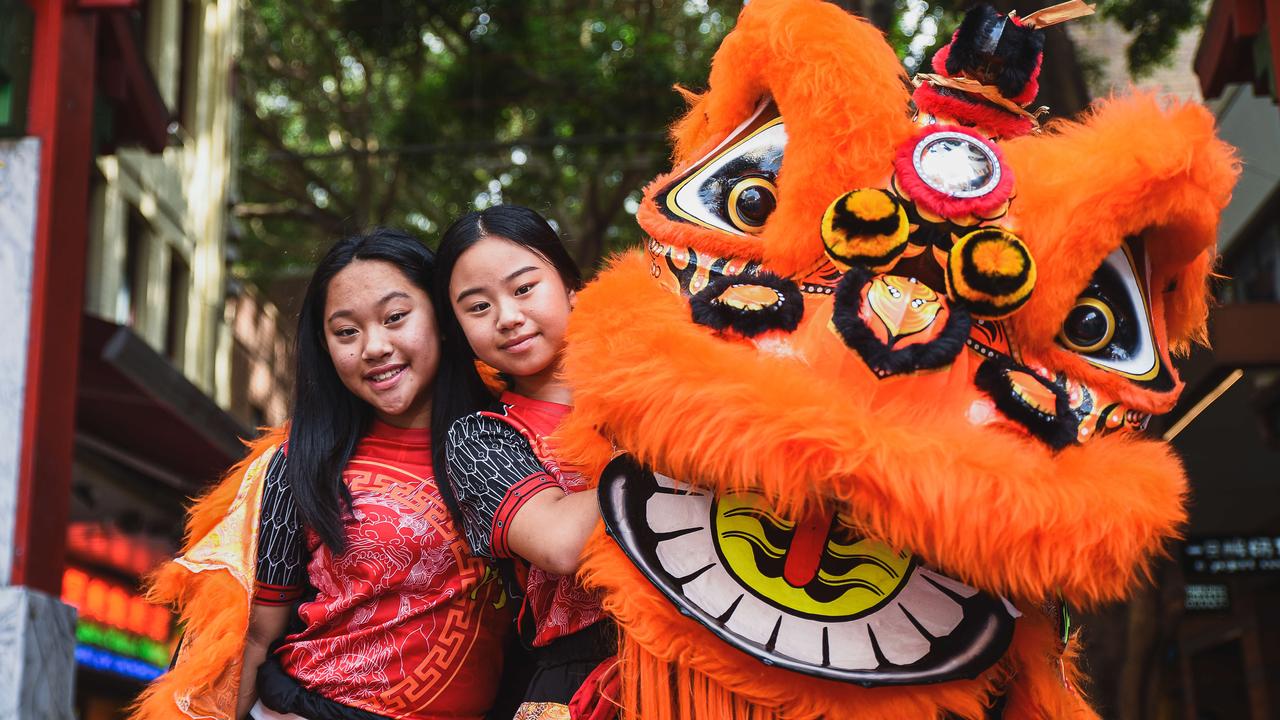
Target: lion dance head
{"x": 872, "y": 400}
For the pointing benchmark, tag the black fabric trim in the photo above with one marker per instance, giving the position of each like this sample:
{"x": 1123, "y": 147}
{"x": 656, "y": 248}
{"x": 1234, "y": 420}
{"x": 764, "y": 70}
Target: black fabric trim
{"x": 283, "y": 693}
{"x": 594, "y": 642}
{"x": 1057, "y": 432}
{"x": 486, "y": 457}
{"x": 882, "y": 359}
{"x": 281, "y": 560}
{"x": 563, "y": 665}
{"x": 784, "y": 315}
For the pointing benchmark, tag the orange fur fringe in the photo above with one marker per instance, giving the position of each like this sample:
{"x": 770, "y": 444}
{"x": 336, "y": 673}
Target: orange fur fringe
{"x": 212, "y": 606}
{"x": 668, "y": 669}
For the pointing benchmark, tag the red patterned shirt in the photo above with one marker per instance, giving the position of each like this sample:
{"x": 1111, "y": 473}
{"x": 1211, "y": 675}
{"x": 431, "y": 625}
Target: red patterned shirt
{"x": 406, "y": 621}
{"x": 497, "y": 461}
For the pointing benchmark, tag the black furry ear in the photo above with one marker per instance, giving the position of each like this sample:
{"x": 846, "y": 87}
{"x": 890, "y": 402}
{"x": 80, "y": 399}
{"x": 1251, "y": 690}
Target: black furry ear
{"x": 1024, "y": 397}
{"x": 749, "y": 304}
{"x": 995, "y": 50}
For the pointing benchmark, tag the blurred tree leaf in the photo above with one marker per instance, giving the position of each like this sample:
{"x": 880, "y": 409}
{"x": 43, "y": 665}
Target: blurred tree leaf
{"x": 412, "y": 112}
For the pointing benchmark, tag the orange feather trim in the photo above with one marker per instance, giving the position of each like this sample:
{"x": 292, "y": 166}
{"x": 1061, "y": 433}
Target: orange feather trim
{"x": 207, "y": 587}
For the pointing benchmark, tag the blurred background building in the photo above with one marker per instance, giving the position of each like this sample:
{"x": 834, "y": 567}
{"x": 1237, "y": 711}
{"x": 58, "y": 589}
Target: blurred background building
{"x": 144, "y": 363}
{"x": 1202, "y": 641}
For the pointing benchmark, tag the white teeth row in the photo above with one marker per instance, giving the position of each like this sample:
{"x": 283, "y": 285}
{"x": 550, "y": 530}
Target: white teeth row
{"x": 388, "y": 374}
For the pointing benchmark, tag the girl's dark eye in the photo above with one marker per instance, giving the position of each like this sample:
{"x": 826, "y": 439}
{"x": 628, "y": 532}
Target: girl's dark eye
{"x": 345, "y": 332}
{"x": 396, "y": 317}
{"x": 523, "y": 289}
{"x": 479, "y": 307}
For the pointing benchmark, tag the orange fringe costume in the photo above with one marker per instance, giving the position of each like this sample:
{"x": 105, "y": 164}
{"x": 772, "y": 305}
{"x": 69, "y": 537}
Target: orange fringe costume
{"x": 871, "y": 398}
{"x": 211, "y": 586}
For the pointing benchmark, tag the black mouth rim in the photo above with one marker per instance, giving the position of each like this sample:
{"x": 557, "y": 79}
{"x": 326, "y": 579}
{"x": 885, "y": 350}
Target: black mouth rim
{"x": 986, "y": 630}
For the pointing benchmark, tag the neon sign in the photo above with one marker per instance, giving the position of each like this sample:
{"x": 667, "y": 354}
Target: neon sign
{"x": 118, "y": 631}
{"x": 114, "y": 605}
{"x": 106, "y": 661}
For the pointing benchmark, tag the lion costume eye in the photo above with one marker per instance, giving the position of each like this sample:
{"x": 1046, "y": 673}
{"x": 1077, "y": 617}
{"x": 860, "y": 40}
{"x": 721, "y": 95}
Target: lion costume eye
{"x": 751, "y": 201}
{"x": 733, "y": 188}
{"x": 1089, "y": 327}
{"x": 1110, "y": 325}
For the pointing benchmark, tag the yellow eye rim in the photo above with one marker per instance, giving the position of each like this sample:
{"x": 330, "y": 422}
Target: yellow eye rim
{"x": 1106, "y": 338}
{"x": 731, "y": 205}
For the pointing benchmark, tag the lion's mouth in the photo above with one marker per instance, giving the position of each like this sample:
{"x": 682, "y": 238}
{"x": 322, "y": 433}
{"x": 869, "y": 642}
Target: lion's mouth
{"x": 808, "y": 596}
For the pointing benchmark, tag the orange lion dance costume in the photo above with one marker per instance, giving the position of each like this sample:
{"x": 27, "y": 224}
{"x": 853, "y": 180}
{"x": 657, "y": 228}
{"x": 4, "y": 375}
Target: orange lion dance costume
{"x": 871, "y": 399}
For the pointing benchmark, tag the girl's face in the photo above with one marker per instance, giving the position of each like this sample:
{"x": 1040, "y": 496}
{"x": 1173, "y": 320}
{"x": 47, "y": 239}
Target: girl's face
{"x": 381, "y": 332}
{"x": 513, "y": 308}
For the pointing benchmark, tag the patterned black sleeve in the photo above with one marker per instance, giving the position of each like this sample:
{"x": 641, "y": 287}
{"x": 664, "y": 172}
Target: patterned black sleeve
{"x": 492, "y": 471}
{"x": 281, "y": 570}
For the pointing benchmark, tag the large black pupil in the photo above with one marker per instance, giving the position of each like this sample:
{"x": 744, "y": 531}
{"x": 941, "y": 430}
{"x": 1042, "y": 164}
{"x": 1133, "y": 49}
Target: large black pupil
{"x": 755, "y": 204}
{"x": 1086, "y": 325}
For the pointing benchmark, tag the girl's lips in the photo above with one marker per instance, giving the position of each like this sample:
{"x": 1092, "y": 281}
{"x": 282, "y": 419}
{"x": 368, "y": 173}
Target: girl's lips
{"x": 518, "y": 344}
{"x": 386, "y": 382}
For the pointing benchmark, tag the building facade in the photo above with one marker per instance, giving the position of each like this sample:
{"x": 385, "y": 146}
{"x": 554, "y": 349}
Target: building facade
{"x": 1203, "y": 640}
{"x": 140, "y": 363}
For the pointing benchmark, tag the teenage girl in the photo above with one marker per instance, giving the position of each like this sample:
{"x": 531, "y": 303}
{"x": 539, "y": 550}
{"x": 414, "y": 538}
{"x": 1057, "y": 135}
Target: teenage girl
{"x": 505, "y": 288}
{"x": 358, "y": 574}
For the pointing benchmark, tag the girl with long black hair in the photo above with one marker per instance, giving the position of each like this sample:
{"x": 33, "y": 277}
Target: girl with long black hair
{"x": 366, "y": 602}
{"x": 504, "y": 290}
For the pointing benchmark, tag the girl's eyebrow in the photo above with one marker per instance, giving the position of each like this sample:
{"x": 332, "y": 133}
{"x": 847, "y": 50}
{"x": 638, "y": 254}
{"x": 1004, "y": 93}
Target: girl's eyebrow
{"x": 507, "y": 279}
{"x": 385, "y": 299}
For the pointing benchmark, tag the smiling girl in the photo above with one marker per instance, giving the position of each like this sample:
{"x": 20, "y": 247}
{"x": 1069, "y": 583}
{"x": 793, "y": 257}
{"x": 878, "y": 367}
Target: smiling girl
{"x": 355, "y": 572}
{"x": 505, "y": 289}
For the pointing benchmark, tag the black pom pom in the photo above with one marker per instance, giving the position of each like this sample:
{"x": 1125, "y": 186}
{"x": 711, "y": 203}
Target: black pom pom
{"x": 993, "y": 50}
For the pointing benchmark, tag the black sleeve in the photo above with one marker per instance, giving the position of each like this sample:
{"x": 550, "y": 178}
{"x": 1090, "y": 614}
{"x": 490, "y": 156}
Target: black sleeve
{"x": 281, "y": 569}
{"x": 493, "y": 472}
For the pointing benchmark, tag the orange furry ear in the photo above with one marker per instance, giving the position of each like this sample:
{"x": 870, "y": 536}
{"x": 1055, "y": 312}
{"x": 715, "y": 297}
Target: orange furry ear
{"x": 692, "y": 130}
{"x": 1188, "y": 299}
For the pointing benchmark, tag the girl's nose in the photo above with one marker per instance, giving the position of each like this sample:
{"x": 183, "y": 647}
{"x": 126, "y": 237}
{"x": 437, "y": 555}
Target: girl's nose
{"x": 377, "y": 345}
{"x": 509, "y": 316}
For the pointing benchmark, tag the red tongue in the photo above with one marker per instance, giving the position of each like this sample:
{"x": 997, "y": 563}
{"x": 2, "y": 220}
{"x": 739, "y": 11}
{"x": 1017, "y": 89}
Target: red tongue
{"x": 807, "y": 546}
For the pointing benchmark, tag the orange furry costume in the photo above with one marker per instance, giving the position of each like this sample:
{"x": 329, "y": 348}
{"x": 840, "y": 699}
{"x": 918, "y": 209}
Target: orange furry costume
{"x": 211, "y": 586}
{"x": 879, "y": 379}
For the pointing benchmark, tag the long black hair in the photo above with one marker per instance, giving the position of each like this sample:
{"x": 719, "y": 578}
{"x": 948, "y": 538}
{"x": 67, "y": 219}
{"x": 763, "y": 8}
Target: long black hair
{"x": 328, "y": 420}
{"x": 462, "y": 390}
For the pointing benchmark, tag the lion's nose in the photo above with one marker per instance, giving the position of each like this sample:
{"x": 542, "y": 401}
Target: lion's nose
{"x": 912, "y": 285}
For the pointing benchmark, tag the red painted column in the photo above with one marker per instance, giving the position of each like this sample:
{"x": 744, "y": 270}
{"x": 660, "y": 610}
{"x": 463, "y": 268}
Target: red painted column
{"x": 60, "y": 113}
{"x": 1272, "y": 14}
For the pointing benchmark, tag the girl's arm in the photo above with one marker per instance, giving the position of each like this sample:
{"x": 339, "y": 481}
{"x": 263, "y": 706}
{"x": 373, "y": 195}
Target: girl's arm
{"x": 551, "y": 529}
{"x": 266, "y": 624}
{"x": 510, "y": 506}
{"x": 279, "y": 574}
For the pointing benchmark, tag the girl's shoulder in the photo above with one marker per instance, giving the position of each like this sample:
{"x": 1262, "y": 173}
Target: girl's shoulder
{"x": 497, "y": 423}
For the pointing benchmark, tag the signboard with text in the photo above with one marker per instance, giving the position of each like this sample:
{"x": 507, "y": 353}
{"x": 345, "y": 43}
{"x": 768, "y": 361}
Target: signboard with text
{"x": 1235, "y": 555}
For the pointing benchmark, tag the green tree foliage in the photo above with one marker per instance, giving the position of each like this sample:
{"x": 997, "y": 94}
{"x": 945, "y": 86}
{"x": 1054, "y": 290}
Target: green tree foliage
{"x": 412, "y": 112}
